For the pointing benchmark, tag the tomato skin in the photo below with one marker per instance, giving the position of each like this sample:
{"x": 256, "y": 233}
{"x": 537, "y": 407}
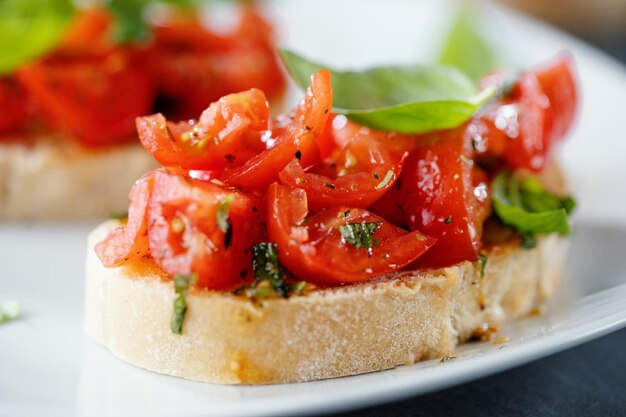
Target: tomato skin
{"x": 131, "y": 241}
{"x": 294, "y": 135}
{"x": 185, "y": 237}
{"x": 228, "y": 133}
{"x": 14, "y": 104}
{"x": 559, "y": 83}
{"x": 441, "y": 199}
{"x": 363, "y": 171}
{"x": 92, "y": 98}
{"x": 196, "y": 66}
{"x": 316, "y": 252}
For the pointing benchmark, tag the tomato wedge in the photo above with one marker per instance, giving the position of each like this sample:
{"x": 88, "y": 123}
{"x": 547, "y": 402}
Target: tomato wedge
{"x": 363, "y": 171}
{"x": 14, "y": 105}
{"x": 558, "y": 81}
{"x": 131, "y": 241}
{"x": 445, "y": 196}
{"x": 93, "y": 98}
{"x": 295, "y": 136}
{"x": 314, "y": 249}
{"x": 189, "y": 235}
{"x": 227, "y": 134}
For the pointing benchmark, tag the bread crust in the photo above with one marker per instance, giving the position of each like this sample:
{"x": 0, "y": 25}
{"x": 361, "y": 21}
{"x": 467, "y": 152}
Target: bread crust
{"x": 395, "y": 320}
{"x": 53, "y": 179}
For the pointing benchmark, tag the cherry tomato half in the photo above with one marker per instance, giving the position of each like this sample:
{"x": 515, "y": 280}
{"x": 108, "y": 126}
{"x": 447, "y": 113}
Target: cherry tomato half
{"x": 445, "y": 196}
{"x": 314, "y": 249}
{"x": 292, "y": 136}
{"x": 228, "y": 133}
{"x": 186, "y": 234}
{"x": 131, "y": 241}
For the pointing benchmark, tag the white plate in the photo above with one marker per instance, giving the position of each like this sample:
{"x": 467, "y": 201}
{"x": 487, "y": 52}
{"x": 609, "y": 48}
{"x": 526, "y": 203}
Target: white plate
{"x": 48, "y": 368}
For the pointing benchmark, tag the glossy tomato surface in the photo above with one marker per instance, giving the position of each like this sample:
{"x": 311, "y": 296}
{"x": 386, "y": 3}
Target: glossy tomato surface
{"x": 292, "y": 136}
{"x": 227, "y": 134}
{"x": 443, "y": 195}
{"x": 315, "y": 250}
{"x": 187, "y": 236}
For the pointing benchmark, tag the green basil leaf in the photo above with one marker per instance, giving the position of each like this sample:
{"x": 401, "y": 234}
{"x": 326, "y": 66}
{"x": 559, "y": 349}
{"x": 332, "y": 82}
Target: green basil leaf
{"x": 30, "y": 28}
{"x": 466, "y": 49}
{"x": 360, "y": 235}
{"x": 408, "y": 99}
{"x": 266, "y": 267}
{"x": 178, "y": 314}
{"x": 523, "y": 204}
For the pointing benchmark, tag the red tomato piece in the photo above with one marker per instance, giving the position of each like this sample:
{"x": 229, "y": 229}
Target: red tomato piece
{"x": 558, "y": 81}
{"x": 227, "y": 134}
{"x": 14, "y": 105}
{"x": 441, "y": 197}
{"x": 94, "y": 98}
{"x": 186, "y": 236}
{"x": 314, "y": 250}
{"x": 360, "y": 174}
{"x": 131, "y": 241}
{"x": 89, "y": 31}
{"x": 294, "y": 135}
{"x": 196, "y": 66}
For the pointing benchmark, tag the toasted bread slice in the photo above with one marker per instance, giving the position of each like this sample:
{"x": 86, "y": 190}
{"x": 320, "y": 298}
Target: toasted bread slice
{"x": 395, "y": 320}
{"x": 53, "y": 178}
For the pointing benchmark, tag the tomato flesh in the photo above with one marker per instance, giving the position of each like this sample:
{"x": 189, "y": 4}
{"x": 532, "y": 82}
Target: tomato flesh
{"x": 131, "y": 241}
{"x": 315, "y": 250}
{"x": 14, "y": 105}
{"x": 360, "y": 174}
{"x": 295, "y": 136}
{"x": 185, "y": 236}
{"x": 228, "y": 133}
{"x": 440, "y": 197}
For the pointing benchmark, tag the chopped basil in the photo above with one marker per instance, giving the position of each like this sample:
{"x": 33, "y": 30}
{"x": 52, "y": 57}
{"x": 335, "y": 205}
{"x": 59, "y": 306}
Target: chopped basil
{"x": 447, "y": 359}
{"x": 31, "y": 28}
{"x": 523, "y": 204}
{"x": 182, "y": 283}
{"x": 483, "y": 263}
{"x": 10, "y": 310}
{"x": 223, "y": 222}
{"x": 408, "y": 99}
{"x": 385, "y": 181}
{"x": 118, "y": 216}
{"x": 266, "y": 267}
{"x": 360, "y": 235}
{"x": 448, "y": 220}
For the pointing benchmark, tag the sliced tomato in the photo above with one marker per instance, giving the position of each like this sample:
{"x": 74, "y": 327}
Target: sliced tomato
{"x": 94, "y": 98}
{"x": 441, "y": 197}
{"x": 89, "y": 31}
{"x": 558, "y": 81}
{"x": 196, "y": 66}
{"x": 186, "y": 237}
{"x": 314, "y": 250}
{"x": 14, "y": 105}
{"x": 131, "y": 241}
{"x": 227, "y": 134}
{"x": 359, "y": 175}
{"x": 292, "y": 136}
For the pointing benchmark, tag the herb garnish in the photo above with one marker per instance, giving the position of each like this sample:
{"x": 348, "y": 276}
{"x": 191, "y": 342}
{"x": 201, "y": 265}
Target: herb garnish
{"x": 407, "y": 99}
{"x": 182, "y": 282}
{"x": 360, "y": 235}
{"x": 9, "y": 310}
{"x": 523, "y": 204}
{"x": 385, "y": 181}
{"x": 223, "y": 221}
{"x": 482, "y": 258}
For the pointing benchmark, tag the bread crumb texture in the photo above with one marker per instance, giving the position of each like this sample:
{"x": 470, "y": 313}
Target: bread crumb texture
{"x": 395, "y": 320}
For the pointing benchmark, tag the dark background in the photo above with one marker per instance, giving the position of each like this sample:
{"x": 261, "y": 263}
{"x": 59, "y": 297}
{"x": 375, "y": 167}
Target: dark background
{"x": 588, "y": 380}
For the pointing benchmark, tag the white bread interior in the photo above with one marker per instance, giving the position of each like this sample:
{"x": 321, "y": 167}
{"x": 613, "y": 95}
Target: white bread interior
{"x": 54, "y": 179}
{"x": 396, "y": 320}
